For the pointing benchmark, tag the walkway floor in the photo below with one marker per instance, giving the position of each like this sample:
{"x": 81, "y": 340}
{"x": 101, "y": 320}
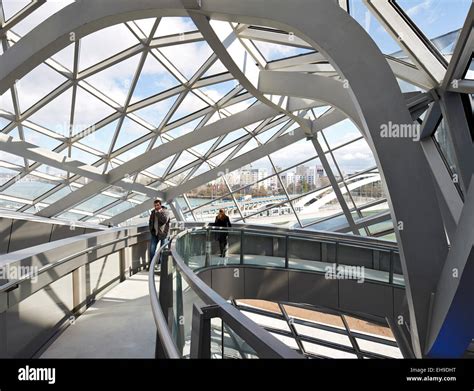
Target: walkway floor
{"x": 119, "y": 325}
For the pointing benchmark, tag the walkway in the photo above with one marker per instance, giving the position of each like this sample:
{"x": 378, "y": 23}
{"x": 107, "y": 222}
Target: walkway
{"x": 119, "y": 325}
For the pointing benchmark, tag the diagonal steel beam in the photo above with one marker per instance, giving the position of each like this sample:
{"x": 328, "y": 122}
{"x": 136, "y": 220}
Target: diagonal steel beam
{"x": 56, "y": 160}
{"x": 452, "y": 317}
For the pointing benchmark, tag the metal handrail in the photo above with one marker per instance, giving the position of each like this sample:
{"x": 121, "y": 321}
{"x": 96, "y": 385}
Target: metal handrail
{"x": 8, "y": 285}
{"x": 160, "y": 319}
{"x": 332, "y": 237}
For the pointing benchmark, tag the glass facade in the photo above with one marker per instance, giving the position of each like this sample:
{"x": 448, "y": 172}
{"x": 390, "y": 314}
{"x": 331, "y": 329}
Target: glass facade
{"x": 155, "y": 87}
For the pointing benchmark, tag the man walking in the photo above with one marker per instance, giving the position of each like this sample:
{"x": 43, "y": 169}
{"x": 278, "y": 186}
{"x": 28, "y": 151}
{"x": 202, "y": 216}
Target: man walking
{"x": 159, "y": 224}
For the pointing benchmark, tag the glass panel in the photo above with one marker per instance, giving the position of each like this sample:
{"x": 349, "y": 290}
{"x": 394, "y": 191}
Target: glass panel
{"x": 444, "y": 141}
{"x": 357, "y": 263}
{"x": 122, "y": 207}
{"x": 154, "y": 78}
{"x": 155, "y": 113}
{"x": 264, "y": 250}
{"x": 293, "y": 154}
{"x": 229, "y": 253}
{"x": 10, "y": 8}
{"x": 95, "y": 203}
{"x": 89, "y": 110}
{"x": 188, "y": 57}
{"x": 54, "y": 116}
{"x": 36, "y": 85}
{"x": 439, "y": 20}
{"x": 328, "y": 224}
{"x": 104, "y": 43}
{"x": 273, "y": 52}
{"x": 30, "y": 187}
{"x": 40, "y": 139}
{"x": 189, "y": 105}
{"x": 470, "y": 72}
{"x": 57, "y": 195}
{"x": 10, "y": 205}
{"x": 217, "y": 91}
{"x": 174, "y": 25}
{"x": 382, "y": 38}
{"x": 129, "y": 132}
{"x": 184, "y": 299}
{"x": 397, "y": 270}
{"x": 234, "y": 346}
{"x": 6, "y": 174}
{"x": 192, "y": 248}
{"x": 306, "y": 254}
{"x": 70, "y": 216}
{"x": 66, "y": 57}
{"x": 354, "y": 157}
{"x": 341, "y": 133}
{"x": 366, "y": 188}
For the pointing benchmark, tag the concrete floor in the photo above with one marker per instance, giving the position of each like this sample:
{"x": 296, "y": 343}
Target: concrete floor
{"x": 119, "y": 325}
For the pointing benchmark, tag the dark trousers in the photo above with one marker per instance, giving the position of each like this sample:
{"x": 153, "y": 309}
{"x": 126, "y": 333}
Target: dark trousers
{"x": 154, "y": 244}
{"x": 222, "y": 245}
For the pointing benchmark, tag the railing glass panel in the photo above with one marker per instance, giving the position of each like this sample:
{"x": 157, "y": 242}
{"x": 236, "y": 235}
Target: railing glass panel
{"x": 376, "y": 261}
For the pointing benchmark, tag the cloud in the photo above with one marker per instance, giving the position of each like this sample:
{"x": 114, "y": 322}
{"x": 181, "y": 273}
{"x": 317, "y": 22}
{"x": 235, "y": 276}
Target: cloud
{"x": 428, "y": 10}
{"x": 424, "y": 6}
{"x": 355, "y": 156}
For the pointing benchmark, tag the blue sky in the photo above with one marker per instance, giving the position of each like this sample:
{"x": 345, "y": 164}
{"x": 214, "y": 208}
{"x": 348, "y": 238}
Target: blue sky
{"x": 433, "y": 17}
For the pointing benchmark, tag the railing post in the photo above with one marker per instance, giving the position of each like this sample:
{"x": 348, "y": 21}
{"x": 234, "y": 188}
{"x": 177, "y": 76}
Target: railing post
{"x": 201, "y": 330}
{"x": 166, "y": 297}
{"x": 159, "y": 350}
{"x": 79, "y": 289}
{"x": 166, "y": 283}
{"x": 390, "y": 275}
{"x": 241, "y": 246}
{"x": 208, "y": 248}
{"x": 287, "y": 242}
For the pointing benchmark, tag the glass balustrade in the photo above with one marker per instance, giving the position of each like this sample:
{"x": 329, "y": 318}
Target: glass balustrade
{"x": 200, "y": 248}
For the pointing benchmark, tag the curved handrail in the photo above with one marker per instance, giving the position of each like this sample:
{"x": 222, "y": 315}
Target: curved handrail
{"x": 160, "y": 320}
{"x": 366, "y": 241}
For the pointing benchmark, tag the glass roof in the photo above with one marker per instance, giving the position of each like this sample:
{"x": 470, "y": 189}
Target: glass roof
{"x": 152, "y": 84}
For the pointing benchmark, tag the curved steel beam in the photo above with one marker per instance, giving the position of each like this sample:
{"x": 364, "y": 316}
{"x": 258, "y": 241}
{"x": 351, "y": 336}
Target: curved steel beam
{"x": 379, "y": 103}
{"x": 330, "y": 91}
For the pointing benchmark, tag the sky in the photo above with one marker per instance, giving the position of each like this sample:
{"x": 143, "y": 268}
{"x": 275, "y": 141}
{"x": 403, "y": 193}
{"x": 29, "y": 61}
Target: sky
{"x": 433, "y": 18}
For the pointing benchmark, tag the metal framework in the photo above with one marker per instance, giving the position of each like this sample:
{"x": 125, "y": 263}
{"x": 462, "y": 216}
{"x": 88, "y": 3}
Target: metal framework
{"x": 94, "y": 134}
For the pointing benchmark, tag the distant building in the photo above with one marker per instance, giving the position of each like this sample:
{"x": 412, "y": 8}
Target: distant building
{"x": 249, "y": 176}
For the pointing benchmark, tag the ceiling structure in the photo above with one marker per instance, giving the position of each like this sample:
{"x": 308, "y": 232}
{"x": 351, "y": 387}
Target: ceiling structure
{"x": 156, "y": 86}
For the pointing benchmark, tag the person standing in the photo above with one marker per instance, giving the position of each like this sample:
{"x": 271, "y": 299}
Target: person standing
{"x": 222, "y": 220}
{"x": 159, "y": 225}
